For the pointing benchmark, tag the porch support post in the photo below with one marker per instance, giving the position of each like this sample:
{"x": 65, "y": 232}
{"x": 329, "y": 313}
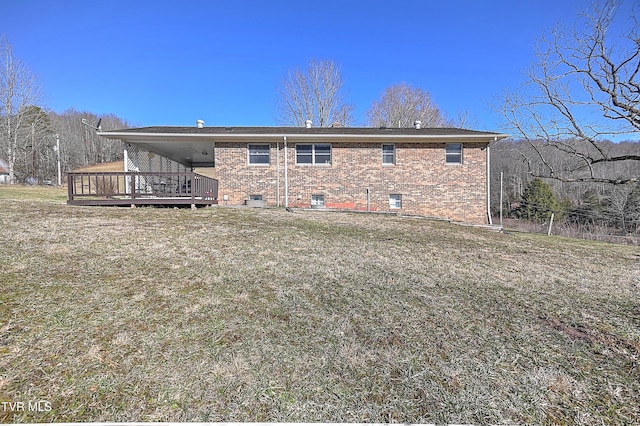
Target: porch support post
{"x": 194, "y": 186}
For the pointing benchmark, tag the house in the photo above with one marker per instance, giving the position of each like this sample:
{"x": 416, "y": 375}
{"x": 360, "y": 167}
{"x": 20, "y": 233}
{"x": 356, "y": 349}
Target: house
{"x": 4, "y": 172}
{"x": 440, "y": 172}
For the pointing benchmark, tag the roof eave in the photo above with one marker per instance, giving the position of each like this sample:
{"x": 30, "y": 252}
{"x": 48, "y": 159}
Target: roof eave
{"x": 222, "y": 137}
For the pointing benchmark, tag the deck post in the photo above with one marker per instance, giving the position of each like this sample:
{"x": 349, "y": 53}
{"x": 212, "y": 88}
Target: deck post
{"x": 134, "y": 184}
{"x": 70, "y": 188}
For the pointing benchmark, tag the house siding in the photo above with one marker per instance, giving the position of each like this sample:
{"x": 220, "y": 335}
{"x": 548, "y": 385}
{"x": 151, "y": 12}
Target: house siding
{"x": 427, "y": 184}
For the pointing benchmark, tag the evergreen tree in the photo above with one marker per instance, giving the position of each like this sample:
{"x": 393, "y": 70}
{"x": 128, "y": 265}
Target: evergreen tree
{"x": 538, "y": 202}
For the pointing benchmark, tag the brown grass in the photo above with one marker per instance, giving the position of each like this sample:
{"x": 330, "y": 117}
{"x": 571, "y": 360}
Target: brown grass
{"x": 226, "y": 314}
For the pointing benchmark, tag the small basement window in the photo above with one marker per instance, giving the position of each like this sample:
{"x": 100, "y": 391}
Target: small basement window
{"x": 255, "y": 197}
{"x": 395, "y": 201}
{"x": 317, "y": 200}
{"x": 454, "y": 153}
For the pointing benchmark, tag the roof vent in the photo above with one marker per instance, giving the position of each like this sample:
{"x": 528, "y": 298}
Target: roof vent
{"x": 336, "y": 124}
{"x": 417, "y": 124}
{"x": 200, "y": 124}
{"x": 307, "y": 124}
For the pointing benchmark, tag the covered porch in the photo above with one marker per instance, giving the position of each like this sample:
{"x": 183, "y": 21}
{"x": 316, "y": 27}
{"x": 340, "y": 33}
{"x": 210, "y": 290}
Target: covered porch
{"x": 141, "y": 188}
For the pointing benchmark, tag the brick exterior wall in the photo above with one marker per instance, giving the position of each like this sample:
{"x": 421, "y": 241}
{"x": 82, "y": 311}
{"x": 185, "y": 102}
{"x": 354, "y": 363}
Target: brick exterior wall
{"x": 427, "y": 184}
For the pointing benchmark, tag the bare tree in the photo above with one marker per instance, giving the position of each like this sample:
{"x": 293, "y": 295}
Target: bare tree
{"x": 314, "y": 94}
{"x": 18, "y": 92}
{"x": 465, "y": 120}
{"x": 79, "y": 145}
{"x": 401, "y": 105}
{"x": 583, "y": 89}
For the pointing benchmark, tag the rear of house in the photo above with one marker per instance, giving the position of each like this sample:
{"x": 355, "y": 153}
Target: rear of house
{"x": 432, "y": 172}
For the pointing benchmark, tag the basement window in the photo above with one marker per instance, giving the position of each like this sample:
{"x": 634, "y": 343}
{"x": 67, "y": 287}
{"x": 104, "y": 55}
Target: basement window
{"x": 454, "y": 153}
{"x": 313, "y": 154}
{"x": 259, "y": 154}
{"x": 317, "y": 200}
{"x": 395, "y": 201}
{"x": 255, "y": 197}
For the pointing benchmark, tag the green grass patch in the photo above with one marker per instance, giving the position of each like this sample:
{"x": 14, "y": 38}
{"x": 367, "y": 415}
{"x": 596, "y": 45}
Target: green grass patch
{"x": 40, "y": 193}
{"x": 223, "y": 314}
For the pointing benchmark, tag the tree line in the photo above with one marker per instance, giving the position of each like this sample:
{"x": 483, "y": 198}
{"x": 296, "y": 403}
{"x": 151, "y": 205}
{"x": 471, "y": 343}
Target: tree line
{"x": 589, "y": 206}
{"x": 33, "y": 145}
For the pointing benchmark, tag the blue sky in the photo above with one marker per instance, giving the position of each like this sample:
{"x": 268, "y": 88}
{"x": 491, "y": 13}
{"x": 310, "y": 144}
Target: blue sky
{"x": 172, "y": 62}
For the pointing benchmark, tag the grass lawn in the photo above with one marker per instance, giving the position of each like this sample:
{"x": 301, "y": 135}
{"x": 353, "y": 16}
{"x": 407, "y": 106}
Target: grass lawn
{"x": 223, "y": 314}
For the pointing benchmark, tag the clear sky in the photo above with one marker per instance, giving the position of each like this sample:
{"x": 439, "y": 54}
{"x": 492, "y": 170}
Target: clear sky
{"x": 172, "y": 62}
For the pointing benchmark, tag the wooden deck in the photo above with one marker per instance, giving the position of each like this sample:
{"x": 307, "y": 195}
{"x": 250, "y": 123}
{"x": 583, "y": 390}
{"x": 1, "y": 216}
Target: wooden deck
{"x": 141, "y": 189}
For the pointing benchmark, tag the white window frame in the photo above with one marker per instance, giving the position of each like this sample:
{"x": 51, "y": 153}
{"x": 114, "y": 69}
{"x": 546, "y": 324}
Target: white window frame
{"x": 267, "y": 154}
{"x": 314, "y": 154}
{"x": 317, "y": 200}
{"x": 393, "y": 154}
{"x": 395, "y": 201}
{"x": 456, "y": 153}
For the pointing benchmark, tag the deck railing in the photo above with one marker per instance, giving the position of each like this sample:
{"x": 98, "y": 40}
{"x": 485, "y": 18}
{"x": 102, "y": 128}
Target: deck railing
{"x": 149, "y": 186}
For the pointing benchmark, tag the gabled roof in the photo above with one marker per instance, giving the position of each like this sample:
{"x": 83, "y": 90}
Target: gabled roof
{"x": 191, "y": 145}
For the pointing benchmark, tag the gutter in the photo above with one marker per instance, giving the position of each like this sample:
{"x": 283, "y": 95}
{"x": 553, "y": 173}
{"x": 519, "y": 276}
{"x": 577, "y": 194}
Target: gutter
{"x": 167, "y": 137}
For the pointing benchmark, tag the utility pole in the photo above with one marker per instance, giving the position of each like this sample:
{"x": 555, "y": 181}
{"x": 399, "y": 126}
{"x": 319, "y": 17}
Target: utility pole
{"x": 58, "y": 152}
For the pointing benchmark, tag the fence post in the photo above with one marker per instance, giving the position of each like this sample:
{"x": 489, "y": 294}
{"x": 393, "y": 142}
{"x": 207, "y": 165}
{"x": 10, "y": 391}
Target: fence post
{"x": 500, "y": 198}
{"x": 550, "y": 224}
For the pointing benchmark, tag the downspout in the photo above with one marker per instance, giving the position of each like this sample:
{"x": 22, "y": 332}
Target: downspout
{"x": 489, "y": 181}
{"x": 277, "y": 174}
{"x": 286, "y": 175}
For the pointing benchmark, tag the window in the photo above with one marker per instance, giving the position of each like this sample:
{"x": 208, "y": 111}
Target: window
{"x": 313, "y": 154}
{"x": 395, "y": 201}
{"x": 259, "y": 154}
{"x": 454, "y": 153}
{"x": 388, "y": 154}
{"x": 255, "y": 197}
{"x": 317, "y": 200}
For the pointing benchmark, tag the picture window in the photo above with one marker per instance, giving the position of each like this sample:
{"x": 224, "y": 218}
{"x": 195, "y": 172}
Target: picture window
{"x": 313, "y": 154}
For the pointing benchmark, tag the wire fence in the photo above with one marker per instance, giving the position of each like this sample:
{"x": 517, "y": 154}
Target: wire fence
{"x": 595, "y": 224}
